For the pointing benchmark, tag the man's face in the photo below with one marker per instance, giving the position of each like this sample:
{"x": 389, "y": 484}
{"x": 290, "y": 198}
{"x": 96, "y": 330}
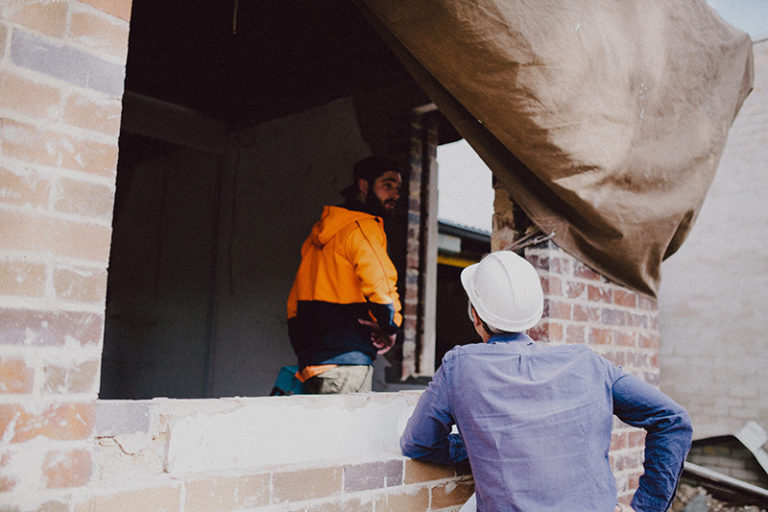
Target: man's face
{"x": 387, "y": 189}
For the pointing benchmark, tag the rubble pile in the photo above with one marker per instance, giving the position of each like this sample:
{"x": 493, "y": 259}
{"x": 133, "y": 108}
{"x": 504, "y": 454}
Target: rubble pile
{"x": 696, "y": 499}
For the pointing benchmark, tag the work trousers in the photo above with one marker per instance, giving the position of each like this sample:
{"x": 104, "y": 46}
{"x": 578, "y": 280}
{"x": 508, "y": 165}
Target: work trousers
{"x": 341, "y": 379}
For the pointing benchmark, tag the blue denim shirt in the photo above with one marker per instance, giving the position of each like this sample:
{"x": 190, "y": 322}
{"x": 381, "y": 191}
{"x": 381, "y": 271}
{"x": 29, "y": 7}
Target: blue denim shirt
{"x": 535, "y": 421}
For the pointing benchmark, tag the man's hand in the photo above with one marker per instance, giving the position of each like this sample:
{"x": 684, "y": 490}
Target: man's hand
{"x": 623, "y": 508}
{"x": 383, "y": 342}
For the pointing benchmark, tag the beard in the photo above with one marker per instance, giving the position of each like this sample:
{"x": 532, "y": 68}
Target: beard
{"x": 375, "y": 206}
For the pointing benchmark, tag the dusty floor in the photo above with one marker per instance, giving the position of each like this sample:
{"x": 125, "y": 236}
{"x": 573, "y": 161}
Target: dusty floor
{"x": 686, "y": 493}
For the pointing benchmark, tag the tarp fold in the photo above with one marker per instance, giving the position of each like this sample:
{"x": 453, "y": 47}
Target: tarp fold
{"x": 604, "y": 120}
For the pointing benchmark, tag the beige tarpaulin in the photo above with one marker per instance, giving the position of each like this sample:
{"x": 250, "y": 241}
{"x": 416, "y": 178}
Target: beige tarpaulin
{"x": 604, "y": 119}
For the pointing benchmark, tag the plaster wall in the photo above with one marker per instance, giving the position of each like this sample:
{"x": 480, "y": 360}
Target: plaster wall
{"x": 280, "y": 175}
{"x": 161, "y": 277}
{"x": 713, "y": 320}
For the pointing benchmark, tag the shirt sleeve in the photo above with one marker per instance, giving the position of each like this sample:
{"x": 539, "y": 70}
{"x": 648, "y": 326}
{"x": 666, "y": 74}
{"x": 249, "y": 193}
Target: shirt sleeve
{"x": 667, "y": 441}
{"x": 428, "y": 433}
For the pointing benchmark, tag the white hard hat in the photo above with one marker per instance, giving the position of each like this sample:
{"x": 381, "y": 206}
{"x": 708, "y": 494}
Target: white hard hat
{"x": 505, "y": 291}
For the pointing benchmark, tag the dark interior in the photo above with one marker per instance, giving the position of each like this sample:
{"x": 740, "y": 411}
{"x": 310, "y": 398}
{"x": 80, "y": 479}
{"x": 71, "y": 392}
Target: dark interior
{"x": 245, "y": 62}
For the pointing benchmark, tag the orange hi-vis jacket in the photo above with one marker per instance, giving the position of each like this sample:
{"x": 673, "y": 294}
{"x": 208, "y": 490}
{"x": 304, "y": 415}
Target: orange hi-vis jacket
{"x": 345, "y": 274}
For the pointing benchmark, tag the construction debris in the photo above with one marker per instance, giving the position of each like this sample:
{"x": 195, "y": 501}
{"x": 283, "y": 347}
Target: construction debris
{"x": 696, "y": 499}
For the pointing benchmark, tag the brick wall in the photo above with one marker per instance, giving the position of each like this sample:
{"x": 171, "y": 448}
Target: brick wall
{"x": 416, "y": 145}
{"x": 581, "y": 306}
{"x": 61, "y": 84}
{"x": 142, "y": 462}
{"x": 411, "y": 324}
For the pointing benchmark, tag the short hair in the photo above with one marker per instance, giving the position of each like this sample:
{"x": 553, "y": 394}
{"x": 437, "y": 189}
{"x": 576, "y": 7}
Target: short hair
{"x": 488, "y": 328}
{"x": 374, "y": 166}
{"x": 369, "y": 169}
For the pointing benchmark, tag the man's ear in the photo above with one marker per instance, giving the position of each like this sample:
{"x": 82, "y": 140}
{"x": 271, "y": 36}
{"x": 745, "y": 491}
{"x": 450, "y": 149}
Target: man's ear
{"x": 362, "y": 187}
{"x": 476, "y": 318}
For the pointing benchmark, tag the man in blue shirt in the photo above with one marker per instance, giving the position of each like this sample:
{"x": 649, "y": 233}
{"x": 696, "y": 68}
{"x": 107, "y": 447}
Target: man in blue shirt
{"x": 535, "y": 419}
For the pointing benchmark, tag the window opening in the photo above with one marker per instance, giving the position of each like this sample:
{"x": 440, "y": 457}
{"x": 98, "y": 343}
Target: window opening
{"x": 231, "y": 143}
{"x": 465, "y": 214}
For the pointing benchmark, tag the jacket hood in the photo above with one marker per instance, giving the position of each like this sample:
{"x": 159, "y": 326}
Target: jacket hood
{"x": 333, "y": 220}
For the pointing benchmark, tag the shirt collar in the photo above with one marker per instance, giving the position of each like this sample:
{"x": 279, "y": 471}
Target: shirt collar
{"x": 505, "y": 337}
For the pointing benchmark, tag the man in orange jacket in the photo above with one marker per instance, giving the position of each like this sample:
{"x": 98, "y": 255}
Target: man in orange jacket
{"x": 344, "y": 308}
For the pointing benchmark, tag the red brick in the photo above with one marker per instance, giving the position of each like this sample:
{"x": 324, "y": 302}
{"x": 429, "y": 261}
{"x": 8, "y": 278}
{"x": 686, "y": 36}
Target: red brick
{"x": 47, "y": 17}
{"x": 20, "y": 278}
{"x": 636, "y": 438}
{"x": 166, "y": 498}
{"x": 355, "y": 504}
{"x": 452, "y": 493}
{"x": 37, "y": 145}
{"x": 100, "y": 34}
{"x": 7, "y": 482}
{"x": 599, "y": 294}
{"x": 3, "y": 37}
{"x": 586, "y": 313}
{"x": 540, "y": 262}
{"x": 576, "y": 290}
{"x": 623, "y": 461}
{"x": 372, "y": 475}
{"x": 67, "y": 469}
{"x": 225, "y": 492}
{"x": 552, "y": 286}
{"x": 80, "y": 285}
{"x": 50, "y": 328}
{"x": 407, "y": 499}
{"x": 26, "y": 189}
{"x": 584, "y": 272}
{"x": 15, "y": 376}
{"x": 557, "y": 309}
{"x": 637, "y": 320}
{"x": 65, "y": 422}
{"x": 87, "y": 112}
{"x": 613, "y": 317}
{"x": 75, "y": 378}
{"x": 118, "y": 8}
{"x": 647, "y": 303}
{"x": 625, "y": 339}
{"x": 306, "y": 484}
{"x": 84, "y": 198}
{"x": 560, "y": 266}
{"x": 625, "y": 298}
{"x": 617, "y": 358}
{"x": 416, "y": 471}
{"x": 539, "y": 332}
{"x": 30, "y": 98}
{"x": 619, "y": 440}
{"x": 574, "y": 334}
{"x": 556, "y": 332}
{"x": 601, "y": 336}
{"x": 65, "y": 238}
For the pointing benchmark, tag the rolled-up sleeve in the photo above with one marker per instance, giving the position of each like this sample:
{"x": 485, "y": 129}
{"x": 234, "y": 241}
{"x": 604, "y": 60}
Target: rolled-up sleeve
{"x": 427, "y": 435}
{"x": 668, "y": 439}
